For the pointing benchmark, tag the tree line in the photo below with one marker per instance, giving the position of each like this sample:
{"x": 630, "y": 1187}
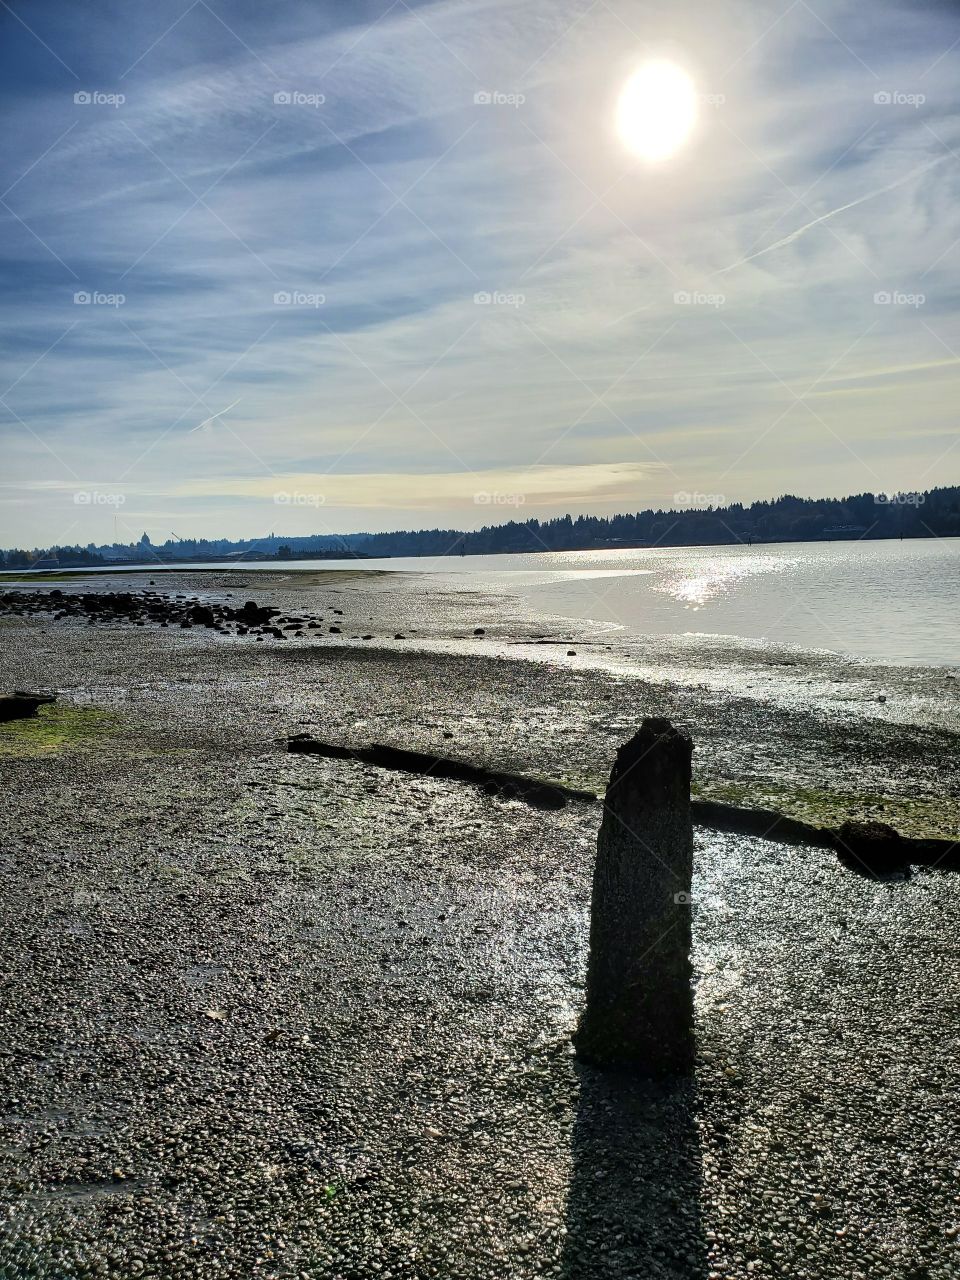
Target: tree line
{"x": 935, "y": 513}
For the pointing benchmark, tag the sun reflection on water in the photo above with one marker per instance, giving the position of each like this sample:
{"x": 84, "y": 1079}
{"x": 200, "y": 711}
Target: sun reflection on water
{"x": 716, "y": 579}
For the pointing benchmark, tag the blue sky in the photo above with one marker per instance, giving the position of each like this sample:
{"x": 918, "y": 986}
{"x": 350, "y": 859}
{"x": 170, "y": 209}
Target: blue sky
{"x": 282, "y": 217}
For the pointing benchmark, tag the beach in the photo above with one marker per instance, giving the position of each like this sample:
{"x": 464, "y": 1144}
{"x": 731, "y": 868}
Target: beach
{"x": 273, "y": 1015}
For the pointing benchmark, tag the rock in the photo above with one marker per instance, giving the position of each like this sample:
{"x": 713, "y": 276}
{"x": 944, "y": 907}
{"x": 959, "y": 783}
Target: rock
{"x": 571, "y": 653}
{"x": 252, "y": 613}
{"x": 639, "y": 1012}
{"x": 872, "y": 848}
{"x": 202, "y": 616}
{"x": 479, "y": 631}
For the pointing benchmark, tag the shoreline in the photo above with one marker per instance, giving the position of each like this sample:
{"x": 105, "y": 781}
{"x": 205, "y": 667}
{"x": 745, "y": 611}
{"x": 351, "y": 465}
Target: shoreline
{"x": 861, "y": 754}
{"x": 257, "y": 1001}
{"x": 729, "y": 604}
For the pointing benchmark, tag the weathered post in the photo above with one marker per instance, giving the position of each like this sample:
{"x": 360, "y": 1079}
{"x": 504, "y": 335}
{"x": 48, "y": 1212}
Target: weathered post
{"x": 639, "y": 1011}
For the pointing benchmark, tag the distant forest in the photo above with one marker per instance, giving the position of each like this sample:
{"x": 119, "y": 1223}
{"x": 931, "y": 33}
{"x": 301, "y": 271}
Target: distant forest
{"x": 787, "y": 519}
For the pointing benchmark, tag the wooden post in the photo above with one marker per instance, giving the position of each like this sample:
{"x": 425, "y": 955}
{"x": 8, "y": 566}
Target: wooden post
{"x": 639, "y": 1012}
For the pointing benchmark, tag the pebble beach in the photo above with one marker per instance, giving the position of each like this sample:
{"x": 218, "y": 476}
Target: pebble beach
{"x": 278, "y": 1016}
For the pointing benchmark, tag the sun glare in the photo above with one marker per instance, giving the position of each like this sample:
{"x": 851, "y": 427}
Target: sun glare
{"x": 657, "y": 111}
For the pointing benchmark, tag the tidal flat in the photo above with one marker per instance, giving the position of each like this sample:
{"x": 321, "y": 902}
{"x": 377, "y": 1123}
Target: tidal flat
{"x": 271, "y": 1015}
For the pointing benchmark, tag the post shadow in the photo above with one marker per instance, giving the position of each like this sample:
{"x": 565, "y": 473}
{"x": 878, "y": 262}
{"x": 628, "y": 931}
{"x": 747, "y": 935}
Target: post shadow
{"x": 633, "y": 1209}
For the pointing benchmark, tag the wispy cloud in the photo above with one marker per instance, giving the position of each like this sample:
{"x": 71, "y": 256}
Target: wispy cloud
{"x": 404, "y": 247}
{"x": 492, "y": 490}
{"x": 832, "y": 213}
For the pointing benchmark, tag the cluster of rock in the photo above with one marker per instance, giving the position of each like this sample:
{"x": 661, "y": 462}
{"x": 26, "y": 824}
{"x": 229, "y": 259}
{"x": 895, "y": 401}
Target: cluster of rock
{"x": 147, "y": 606}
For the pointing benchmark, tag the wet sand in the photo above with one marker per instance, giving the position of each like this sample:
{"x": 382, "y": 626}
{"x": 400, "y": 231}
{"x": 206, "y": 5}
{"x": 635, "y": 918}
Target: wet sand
{"x": 268, "y": 1015}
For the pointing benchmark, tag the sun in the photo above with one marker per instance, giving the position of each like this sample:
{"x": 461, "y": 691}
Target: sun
{"x": 657, "y": 111}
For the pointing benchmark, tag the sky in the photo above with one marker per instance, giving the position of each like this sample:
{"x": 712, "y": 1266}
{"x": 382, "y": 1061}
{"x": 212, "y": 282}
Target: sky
{"x": 332, "y": 267}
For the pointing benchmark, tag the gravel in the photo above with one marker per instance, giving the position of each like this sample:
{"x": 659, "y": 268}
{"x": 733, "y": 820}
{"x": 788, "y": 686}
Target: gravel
{"x": 267, "y": 1015}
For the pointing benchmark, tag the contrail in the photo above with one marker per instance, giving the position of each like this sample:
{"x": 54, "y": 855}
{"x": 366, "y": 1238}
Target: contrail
{"x": 871, "y": 195}
{"x": 206, "y": 422}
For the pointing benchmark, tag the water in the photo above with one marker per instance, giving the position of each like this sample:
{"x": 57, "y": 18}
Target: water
{"x": 896, "y": 602}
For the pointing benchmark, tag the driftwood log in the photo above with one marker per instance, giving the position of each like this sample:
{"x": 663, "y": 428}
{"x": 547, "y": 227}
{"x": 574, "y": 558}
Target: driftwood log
{"x": 20, "y": 705}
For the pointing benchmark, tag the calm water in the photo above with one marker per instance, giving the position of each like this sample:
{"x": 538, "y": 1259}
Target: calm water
{"x": 897, "y": 602}
{"x": 893, "y": 601}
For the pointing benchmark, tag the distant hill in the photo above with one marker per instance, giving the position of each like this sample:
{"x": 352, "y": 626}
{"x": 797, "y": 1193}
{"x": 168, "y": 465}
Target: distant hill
{"x": 935, "y": 513}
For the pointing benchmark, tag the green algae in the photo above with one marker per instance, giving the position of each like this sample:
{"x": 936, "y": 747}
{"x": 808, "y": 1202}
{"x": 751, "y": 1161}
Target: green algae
{"x": 921, "y": 818}
{"x": 55, "y": 728}
{"x": 823, "y": 807}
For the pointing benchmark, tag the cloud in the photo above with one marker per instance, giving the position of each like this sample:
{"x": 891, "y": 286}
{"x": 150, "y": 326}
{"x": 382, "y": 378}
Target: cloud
{"x": 825, "y": 217}
{"x": 534, "y": 486}
{"x": 400, "y": 200}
